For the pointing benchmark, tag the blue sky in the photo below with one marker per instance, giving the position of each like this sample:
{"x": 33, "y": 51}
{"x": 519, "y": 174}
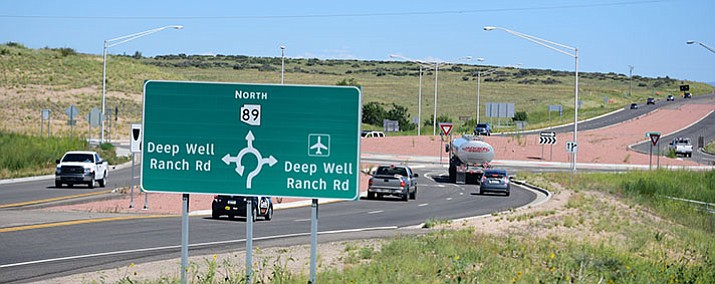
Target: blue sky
{"x": 610, "y": 34}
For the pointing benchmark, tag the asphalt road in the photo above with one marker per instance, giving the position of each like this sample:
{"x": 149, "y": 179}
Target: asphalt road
{"x": 19, "y": 194}
{"x": 625, "y": 114}
{"x": 705, "y": 128}
{"x": 37, "y": 254}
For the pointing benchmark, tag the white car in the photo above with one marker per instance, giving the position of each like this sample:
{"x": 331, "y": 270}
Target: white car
{"x": 83, "y": 167}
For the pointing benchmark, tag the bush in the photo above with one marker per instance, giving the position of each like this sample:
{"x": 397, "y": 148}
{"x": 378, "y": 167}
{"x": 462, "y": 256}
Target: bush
{"x": 520, "y": 116}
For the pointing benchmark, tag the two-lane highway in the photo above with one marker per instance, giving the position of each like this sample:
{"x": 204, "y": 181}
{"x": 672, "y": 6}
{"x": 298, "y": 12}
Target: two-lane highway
{"x": 36, "y": 254}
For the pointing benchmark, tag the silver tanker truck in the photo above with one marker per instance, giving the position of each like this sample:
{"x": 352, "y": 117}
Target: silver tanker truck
{"x": 469, "y": 157}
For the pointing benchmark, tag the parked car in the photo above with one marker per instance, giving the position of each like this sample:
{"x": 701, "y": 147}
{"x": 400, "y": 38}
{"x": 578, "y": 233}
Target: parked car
{"x": 83, "y": 167}
{"x": 688, "y": 96}
{"x": 650, "y": 101}
{"x": 495, "y": 180}
{"x": 670, "y": 98}
{"x": 483, "y": 129}
{"x": 371, "y": 134}
{"x": 393, "y": 180}
{"x": 235, "y": 205}
{"x": 634, "y": 106}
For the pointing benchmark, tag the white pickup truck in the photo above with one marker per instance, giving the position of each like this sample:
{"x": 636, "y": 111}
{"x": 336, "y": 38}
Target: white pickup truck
{"x": 83, "y": 167}
{"x": 681, "y": 146}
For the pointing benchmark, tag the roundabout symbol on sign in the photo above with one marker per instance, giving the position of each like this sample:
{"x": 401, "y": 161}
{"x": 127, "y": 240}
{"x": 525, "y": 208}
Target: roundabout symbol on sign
{"x": 228, "y": 159}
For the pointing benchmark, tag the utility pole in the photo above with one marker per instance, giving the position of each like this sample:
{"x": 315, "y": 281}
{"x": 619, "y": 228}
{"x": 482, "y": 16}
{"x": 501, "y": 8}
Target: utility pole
{"x": 630, "y": 76}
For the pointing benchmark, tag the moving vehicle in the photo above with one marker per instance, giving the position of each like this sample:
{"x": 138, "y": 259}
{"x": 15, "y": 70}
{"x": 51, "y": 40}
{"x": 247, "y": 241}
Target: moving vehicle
{"x": 495, "y": 180}
{"x": 650, "y": 101}
{"x": 634, "y": 106}
{"x": 83, "y": 167}
{"x": 483, "y": 129}
{"x": 681, "y": 146}
{"x": 235, "y": 205}
{"x": 393, "y": 180}
{"x": 469, "y": 157}
{"x": 688, "y": 96}
{"x": 670, "y": 98}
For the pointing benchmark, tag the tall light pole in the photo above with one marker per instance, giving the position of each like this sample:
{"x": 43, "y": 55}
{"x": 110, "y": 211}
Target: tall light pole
{"x": 114, "y": 42}
{"x": 419, "y": 100}
{"x": 701, "y": 44}
{"x": 283, "y": 48}
{"x": 630, "y": 77}
{"x": 561, "y": 49}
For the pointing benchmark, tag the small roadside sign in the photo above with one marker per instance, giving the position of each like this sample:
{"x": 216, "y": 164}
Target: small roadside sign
{"x": 571, "y": 147}
{"x": 446, "y": 127}
{"x": 136, "y": 138}
{"x": 654, "y": 136}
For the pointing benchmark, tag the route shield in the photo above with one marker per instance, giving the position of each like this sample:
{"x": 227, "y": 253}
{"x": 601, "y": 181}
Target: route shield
{"x": 251, "y": 139}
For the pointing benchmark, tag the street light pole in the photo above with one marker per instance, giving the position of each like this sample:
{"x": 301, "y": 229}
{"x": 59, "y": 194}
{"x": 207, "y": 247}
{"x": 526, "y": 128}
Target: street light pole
{"x": 283, "y": 48}
{"x": 701, "y": 44}
{"x": 114, "y": 42}
{"x": 561, "y": 48}
{"x": 630, "y": 77}
{"x": 419, "y": 99}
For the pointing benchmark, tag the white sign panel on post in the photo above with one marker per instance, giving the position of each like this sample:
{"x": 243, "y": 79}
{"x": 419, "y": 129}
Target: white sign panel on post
{"x": 136, "y": 138}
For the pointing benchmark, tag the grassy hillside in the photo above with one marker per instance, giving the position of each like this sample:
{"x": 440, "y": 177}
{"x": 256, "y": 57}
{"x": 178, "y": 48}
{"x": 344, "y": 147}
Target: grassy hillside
{"x": 55, "y": 78}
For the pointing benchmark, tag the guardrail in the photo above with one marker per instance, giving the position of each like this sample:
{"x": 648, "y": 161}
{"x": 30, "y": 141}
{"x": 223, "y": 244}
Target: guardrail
{"x": 708, "y": 207}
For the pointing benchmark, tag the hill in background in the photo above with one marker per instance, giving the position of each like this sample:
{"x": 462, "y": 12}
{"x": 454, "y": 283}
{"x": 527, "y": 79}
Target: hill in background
{"x": 55, "y": 78}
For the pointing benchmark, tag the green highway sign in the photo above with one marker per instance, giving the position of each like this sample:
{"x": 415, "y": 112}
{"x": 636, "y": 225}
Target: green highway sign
{"x": 251, "y": 139}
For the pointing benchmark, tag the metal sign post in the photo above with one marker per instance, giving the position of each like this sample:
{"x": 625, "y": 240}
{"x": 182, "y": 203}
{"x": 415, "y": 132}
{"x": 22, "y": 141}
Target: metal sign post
{"x": 446, "y": 128}
{"x": 184, "y": 237}
{"x": 249, "y": 240}
{"x": 134, "y": 147}
{"x": 654, "y": 137}
{"x": 313, "y": 239}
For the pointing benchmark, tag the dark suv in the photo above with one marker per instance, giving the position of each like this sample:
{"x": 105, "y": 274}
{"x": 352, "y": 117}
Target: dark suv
{"x": 234, "y": 205}
{"x": 483, "y": 129}
{"x": 650, "y": 101}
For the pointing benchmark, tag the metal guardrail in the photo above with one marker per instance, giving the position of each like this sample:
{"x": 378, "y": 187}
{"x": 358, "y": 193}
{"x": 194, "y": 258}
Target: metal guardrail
{"x": 707, "y": 207}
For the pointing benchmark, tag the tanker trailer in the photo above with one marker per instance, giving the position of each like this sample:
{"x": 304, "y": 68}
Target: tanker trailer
{"x": 469, "y": 157}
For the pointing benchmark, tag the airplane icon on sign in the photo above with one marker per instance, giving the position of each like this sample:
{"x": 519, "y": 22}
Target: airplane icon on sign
{"x": 316, "y": 146}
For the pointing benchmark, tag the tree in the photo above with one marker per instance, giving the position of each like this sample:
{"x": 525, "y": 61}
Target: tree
{"x": 373, "y": 113}
{"x": 400, "y": 114}
{"x": 440, "y": 118}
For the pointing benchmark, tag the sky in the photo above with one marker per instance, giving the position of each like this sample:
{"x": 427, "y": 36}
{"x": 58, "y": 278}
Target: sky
{"x": 610, "y": 35}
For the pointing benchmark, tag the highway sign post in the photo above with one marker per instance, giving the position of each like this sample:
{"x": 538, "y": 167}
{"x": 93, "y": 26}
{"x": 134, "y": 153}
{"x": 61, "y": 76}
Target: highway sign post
{"x": 446, "y": 128}
{"x": 654, "y": 138}
{"x": 252, "y": 140}
{"x": 135, "y": 141}
{"x": 547, "y": 137}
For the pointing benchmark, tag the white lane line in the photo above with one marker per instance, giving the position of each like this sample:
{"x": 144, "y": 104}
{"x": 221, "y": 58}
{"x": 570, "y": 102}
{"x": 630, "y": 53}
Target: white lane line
{"x": 449, "y": 198}
{"x": 301, "y": 220}
{"x": 376, "y": 212}
{"x": 192, "y": 246}
{"x": 423, "y": 204}
{"x": 440, "y": 185}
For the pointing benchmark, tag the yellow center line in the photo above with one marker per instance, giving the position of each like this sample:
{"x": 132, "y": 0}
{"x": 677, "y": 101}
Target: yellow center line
{"x": 32, "y": 202}
{"x": 78, "y": 222}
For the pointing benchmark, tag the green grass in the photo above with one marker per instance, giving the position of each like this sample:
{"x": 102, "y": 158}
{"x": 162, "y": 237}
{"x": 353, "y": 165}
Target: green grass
{"x": 652, "y": 240}
{"x": 23, "y": 155}
{"x": 59, "y": 72}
